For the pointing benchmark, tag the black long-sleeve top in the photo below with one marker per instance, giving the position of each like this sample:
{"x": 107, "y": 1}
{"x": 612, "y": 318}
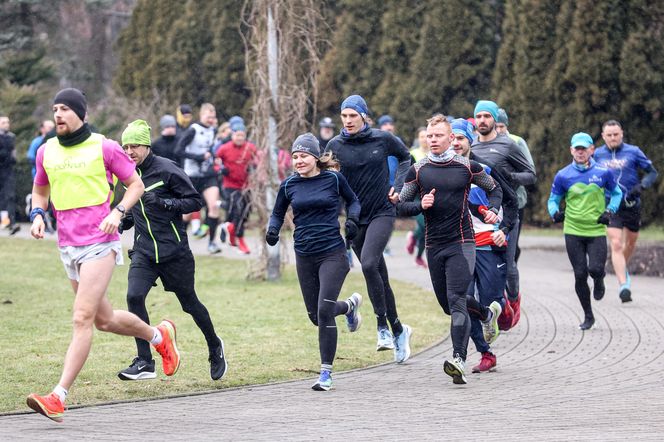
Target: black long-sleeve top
{"x": 161, "y": 234}
{"x": 315, "y": 203}
{"x": 448, "y": 220}
{"x": 363, "y": 159}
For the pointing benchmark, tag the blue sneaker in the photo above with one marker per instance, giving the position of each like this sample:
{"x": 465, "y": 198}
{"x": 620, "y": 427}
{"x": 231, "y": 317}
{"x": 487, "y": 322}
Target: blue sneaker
{"x": 324, "y": 382}
{"x": 402, "y": 345}
{"x": 385, "y": 340}
{"x": 354, "y": 318}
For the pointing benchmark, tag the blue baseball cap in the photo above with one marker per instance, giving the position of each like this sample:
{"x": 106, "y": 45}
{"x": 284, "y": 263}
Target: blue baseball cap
{"x": 581, "y": 139}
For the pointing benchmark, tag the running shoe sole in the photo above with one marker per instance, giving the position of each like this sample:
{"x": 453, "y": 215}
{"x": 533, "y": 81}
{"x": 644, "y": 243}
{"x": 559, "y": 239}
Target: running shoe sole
{"x": 223, "y": 356}
{"x": 385, "y": 347}
{"x": 358, "y": 315}
{"x": 409, "y": 330}
{"x": 39, "y": 408}
{"x": 319, "y": 387}
{"x": 626, "y": 295}
{"x": 457, "y": 375}
{"x": 137, "y": 377}
{"x": 170, "y": 325}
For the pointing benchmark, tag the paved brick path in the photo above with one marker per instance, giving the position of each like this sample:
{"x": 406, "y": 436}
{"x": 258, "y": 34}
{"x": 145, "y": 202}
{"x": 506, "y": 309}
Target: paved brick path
{"x": 553, "y": 382}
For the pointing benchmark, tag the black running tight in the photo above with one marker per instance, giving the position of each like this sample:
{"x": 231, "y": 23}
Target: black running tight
{"x": 368, "y": 246}
{"x": 588, "y": 257}
{"x": 321, "y": 278}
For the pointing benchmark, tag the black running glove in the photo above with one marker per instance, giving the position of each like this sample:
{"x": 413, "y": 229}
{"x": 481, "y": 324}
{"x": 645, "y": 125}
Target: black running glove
{"x": 604, "y": 218}
{"x": 351, "y": 229}
{"x": 559, "y": 217}
{"x": 272, "y": 236}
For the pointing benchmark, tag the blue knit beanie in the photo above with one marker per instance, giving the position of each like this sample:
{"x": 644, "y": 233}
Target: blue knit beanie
{"x": 486, "y": 106}
{"x": 463, "y": 127}
{"x": 502, "y": 117}
{"x": 238, "y": 127}
{"x": 235, "y": 119}
{"x": 356, "y": 103}
{"x": 307, "y": 143}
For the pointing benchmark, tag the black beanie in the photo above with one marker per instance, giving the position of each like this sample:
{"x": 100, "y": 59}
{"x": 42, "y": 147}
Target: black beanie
{"x": 74, "y": 99}
{"x": 307, "y": 143}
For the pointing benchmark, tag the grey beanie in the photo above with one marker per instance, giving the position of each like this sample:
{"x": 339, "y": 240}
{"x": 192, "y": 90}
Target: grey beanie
{"x": 307, "y": 143}
{"x": 167, "y": 121}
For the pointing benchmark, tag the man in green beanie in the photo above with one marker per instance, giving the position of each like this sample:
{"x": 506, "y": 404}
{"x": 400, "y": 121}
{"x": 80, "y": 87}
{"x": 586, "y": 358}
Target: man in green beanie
{"x": 161, "y": 249}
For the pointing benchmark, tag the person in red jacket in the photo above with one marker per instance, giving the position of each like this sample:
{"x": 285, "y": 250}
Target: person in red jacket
{"x": 238, "y": 157}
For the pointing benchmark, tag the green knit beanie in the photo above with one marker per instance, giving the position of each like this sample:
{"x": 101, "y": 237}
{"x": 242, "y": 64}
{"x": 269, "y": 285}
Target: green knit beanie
{"x": 137, "y": 132}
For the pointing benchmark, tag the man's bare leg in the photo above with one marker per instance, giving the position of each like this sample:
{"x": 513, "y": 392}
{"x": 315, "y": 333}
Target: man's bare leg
{"x": 617, "y": 253}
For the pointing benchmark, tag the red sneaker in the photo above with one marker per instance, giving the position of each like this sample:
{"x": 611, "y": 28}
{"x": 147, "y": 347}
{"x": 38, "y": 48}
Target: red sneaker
{"x": 410, "y": 242}
{"x": 506, "y": 318}
{"x": 232, "y": 239}
{"x": 421, "y": 262}
{"x": 516, "y": 307}
{"x": 168, "y": 349}
{"x": 487, "y": 363}
{"x": 50, "y": 406}
{"x": 242, "y": 247}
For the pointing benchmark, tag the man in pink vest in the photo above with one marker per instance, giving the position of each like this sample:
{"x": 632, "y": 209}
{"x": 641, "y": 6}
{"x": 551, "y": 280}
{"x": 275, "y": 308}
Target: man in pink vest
{"x": 75, "y": 170}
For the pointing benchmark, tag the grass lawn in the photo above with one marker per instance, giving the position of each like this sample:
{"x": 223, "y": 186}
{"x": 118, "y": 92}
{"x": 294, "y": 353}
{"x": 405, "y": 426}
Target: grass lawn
{"x": 264, "y": 325}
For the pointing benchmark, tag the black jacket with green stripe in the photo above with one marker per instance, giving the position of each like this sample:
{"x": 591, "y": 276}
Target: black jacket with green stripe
{"x": 159, "y": 232}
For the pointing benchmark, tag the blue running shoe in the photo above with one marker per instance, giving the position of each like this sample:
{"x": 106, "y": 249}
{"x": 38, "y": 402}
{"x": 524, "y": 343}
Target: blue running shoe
{"x": 385, "y": 340}
{"x": 402, "y": 345}
{"x": 354, "y": 318}
{"x": 324, "y": 382}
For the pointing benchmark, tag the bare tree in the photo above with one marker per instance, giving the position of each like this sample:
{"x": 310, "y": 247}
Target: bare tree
{"x": 283, "y": 42}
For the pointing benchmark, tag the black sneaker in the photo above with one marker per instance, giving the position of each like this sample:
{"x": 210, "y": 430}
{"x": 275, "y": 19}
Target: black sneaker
{"x": 588, "y": 323}
{"x": 625, "y": 294}
{"x": 139, "y": 369}
{"x": 599, "y": 289}
{"x": 218, "y": 365}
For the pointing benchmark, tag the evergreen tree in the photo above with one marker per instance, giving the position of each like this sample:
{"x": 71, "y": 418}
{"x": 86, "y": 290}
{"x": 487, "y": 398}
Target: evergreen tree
{"x": 450, "y": 70}
{"x": 351, "y": 65}
{"x": 401, "y": 24}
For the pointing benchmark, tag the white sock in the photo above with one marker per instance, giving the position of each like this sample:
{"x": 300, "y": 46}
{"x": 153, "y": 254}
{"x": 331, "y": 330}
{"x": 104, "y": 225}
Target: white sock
{"x": 490, "y": 317}
{"x": 327, "y": 367}
{"x": 61, "y": 392}
{"x": 156, "y": 337}
{"x": 195, "y": 224}
{"x": 350, "y": 307}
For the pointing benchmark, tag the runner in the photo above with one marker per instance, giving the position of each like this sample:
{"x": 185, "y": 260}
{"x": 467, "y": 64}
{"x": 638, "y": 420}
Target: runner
{"x": 443, "y": 181}
{"x": 362, "y": 153}
{"x": 238, "y": 158}
{"x": 625, "y": 160}
{"x": 502, "y": 124}
{"x": 194, "y": 146}
{"x": 582, "y": 184}
{"x": 161, "y": 249}
{"x": 88, "y": 238}
{"x": 489, "y": 277}
{"x": 502, "y": 153}
{"x": 320, "y": 256}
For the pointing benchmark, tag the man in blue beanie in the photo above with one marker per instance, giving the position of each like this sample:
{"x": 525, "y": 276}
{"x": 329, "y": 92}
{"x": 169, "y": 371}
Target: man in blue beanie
{"x": 362, "y": 153}
{"x": 502, "y": 153}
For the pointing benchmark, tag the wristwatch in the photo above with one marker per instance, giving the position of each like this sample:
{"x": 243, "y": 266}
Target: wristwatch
{"x": 120, "y": 208}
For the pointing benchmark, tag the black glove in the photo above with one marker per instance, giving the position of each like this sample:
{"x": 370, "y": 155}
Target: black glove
{"x": 559, "y": 217}
{"x": 604, "y": 218}
{"x": 272, "y": 236}
{"x": 351, "y": 228}
{"x": 224, "y": 171}
{"x": 634, "y": 192}
{"x": 168, "y": 204}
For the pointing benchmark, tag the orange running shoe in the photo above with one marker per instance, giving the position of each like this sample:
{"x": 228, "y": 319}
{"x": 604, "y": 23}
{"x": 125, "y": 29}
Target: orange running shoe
{"x": 50, "y": 406}
{"x": 242, "y": 246}
{"x": 168, "y": 349}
